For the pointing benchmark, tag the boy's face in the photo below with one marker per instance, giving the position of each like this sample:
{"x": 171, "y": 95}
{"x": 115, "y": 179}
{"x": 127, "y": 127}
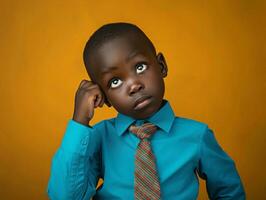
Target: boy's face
{"x": 130, "y": 75}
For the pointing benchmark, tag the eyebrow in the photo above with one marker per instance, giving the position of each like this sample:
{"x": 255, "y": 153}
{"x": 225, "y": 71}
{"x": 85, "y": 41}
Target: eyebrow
{"x": 109, "y": 69}
{"x": 130, "y": 56}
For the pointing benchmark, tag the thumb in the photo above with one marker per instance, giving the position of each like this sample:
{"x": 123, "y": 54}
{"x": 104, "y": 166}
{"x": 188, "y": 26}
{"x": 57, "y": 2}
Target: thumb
{"x": 91, "y": 103}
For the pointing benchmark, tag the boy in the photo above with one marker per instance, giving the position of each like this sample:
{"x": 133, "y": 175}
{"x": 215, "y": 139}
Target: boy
{"x": 146, "y": 152}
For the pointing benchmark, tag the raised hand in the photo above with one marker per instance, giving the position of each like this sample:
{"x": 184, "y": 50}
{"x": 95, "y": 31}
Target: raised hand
{"x": 88, "y": 97}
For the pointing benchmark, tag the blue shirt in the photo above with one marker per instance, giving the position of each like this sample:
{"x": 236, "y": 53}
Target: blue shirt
{"x": 184, "y": 149}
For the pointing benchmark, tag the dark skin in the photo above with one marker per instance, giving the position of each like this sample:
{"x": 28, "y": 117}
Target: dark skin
{"x": 127, "y": 75}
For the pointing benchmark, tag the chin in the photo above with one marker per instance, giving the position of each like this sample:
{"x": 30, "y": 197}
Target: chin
{"x": 142, "y": 113}
{"x": 145, "y": 113}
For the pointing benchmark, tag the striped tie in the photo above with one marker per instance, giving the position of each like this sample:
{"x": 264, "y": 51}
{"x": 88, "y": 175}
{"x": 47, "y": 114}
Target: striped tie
{"x": 146, "y": 183}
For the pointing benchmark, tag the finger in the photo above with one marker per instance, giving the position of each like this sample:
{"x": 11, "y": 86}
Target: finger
{"x": 91, "y": 86}
{"x": 97, "y": 100}
{"x": 102, "y": 101}
{"x": 91, "y": 107}
{"x": 87, "y": 84}
{"x": 82, "y": 83}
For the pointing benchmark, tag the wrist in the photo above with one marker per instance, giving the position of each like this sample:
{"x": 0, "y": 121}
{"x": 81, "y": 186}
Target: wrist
{"x": 82, "y": 120}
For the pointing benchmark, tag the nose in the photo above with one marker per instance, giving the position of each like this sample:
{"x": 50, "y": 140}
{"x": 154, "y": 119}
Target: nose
{"x": 135, "y": 87}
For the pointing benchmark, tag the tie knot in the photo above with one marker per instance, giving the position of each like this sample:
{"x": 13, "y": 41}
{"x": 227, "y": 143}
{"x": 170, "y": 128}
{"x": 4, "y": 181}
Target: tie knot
{"x": 143, "y": 131}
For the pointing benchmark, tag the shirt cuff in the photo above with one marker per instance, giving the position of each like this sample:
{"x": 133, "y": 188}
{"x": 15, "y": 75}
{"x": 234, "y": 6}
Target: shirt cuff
{"x": 76, "y": 137}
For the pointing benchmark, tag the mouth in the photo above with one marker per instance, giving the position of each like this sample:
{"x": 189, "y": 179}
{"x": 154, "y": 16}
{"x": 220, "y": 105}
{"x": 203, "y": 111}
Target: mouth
{"x": 142, "y": 102}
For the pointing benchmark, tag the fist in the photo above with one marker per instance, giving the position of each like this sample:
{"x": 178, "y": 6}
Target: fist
{"x": 88, "y": 97}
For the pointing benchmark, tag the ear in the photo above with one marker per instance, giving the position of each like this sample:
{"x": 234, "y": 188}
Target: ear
{"x": 162, "y": 63}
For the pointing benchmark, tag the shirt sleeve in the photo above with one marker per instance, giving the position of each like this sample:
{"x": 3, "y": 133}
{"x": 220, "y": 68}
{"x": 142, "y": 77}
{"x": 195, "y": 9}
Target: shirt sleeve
{"x": 75, "y": 168}
{"x": 219, "y": 170}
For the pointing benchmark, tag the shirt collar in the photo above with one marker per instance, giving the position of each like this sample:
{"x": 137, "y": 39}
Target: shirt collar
{"x": 163, "y": 118}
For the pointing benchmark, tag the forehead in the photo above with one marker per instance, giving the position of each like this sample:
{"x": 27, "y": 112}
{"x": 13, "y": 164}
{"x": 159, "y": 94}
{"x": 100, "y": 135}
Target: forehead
{"x": 117, "y": 51}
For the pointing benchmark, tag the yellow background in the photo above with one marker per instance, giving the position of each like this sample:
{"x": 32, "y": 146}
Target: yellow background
{"x": 216, "y": 54}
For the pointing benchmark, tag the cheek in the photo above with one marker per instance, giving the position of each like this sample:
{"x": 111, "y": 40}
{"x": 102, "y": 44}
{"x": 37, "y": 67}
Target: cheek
{"x": 154, "y": 81}
{"x": 120, "y": 103}
{"x": 117, "y": 97}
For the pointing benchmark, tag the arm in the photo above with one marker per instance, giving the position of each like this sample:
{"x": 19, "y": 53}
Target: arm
{"x": 219, "y": 170}
{"x": 76, "y": 164}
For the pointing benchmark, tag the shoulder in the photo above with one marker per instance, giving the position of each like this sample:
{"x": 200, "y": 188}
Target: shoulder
{"x": 189, "y": 126}
{"x": 190, "y": 123}
{"x": 104, "y": 124}
{"x": 191, "y": 130}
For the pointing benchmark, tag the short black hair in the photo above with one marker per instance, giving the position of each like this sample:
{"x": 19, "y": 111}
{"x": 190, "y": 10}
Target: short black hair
{"x": 108, "y": 32}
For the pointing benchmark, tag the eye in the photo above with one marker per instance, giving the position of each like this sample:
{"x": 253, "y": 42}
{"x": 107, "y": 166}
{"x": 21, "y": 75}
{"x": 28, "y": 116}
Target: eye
{"x": 141, "y": 67}
{"x": 114, "y": 83}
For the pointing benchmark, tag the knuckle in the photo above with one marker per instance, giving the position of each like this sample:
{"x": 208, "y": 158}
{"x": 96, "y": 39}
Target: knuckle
{"x": 83, "y": 81}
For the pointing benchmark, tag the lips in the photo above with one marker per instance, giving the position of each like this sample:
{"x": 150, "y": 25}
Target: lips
{"x": 142, "y": 102}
